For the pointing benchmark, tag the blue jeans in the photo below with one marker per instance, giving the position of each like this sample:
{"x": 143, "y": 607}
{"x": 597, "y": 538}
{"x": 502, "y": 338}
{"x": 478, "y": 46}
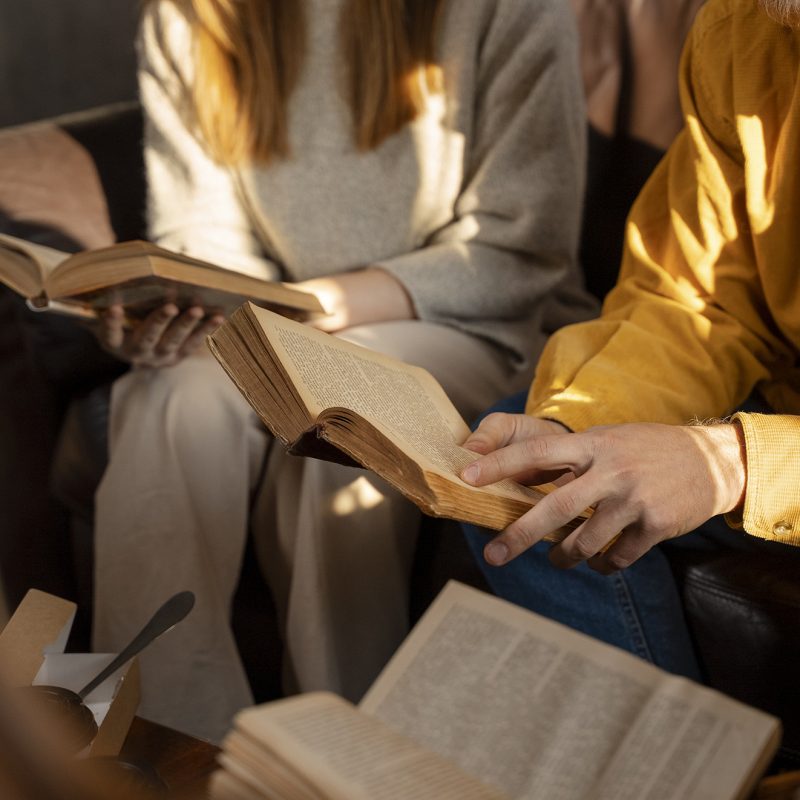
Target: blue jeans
{"x": 638, "y": 609}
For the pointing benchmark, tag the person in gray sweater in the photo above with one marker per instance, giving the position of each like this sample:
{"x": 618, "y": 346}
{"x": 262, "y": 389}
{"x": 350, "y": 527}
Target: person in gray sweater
{"x": 444, "y": 235}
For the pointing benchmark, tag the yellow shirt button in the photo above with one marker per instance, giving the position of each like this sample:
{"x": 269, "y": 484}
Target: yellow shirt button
{"x": 782, "y": 528}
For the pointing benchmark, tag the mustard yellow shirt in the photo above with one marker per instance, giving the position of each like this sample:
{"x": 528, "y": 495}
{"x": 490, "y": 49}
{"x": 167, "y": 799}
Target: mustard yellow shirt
{"x": 708, "y": 303}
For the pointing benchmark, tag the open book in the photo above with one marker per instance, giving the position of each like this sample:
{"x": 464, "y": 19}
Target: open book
{"x": 334, "y": 400}
{"x": 487, "y": 700}
{"x": 139, "y": 275}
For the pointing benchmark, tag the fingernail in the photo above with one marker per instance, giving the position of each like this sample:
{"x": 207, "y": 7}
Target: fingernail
{"x": 471, "y": 472}
{"x": 496, "y": 553}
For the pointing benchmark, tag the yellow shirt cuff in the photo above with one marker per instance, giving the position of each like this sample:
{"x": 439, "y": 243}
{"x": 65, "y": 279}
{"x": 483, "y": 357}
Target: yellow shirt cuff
{"x": 772, "y": 499}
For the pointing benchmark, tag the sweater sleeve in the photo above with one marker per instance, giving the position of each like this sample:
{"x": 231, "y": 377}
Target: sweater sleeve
{"x": 194, "y": 204}
{"x": 687, "y": 332}
{"x": 513, "y": 236}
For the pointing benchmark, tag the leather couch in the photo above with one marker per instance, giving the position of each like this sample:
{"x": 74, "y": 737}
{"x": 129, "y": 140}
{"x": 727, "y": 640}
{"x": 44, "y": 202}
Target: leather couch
{"x": 743, "y": 611}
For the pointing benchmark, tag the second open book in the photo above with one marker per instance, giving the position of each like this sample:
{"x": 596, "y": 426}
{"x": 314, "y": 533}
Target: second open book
{"x": 139, "y": 275}
{"x": 331, "y": 399}
{"x": 486, "y": 701}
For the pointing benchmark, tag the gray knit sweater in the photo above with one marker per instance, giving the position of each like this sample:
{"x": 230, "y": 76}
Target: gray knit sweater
{"x": 475, "y": 207}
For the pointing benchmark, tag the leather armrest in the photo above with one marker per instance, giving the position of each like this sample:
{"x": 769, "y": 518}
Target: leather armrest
{"x": 743, "y": 610}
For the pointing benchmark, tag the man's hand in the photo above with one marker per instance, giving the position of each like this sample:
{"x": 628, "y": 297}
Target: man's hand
{"x": 647, "y": 483}
{"x": 162, "y": 339}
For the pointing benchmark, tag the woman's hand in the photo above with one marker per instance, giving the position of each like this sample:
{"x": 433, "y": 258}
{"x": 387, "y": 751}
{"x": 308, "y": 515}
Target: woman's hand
{"x": 647, "y": 482}
{"x": 358, "y": 298}
{"x": 162, "y": 339}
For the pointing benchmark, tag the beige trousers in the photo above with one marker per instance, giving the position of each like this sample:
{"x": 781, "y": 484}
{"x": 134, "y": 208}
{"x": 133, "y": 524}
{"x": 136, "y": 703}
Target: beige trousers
{"x": 191, "y": 471}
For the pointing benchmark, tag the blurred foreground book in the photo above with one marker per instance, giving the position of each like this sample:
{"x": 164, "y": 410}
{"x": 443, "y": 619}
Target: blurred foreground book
{"x": 487, "y": 700}
{"x": 139, "y": 275}
{"x": 330, "y": 399}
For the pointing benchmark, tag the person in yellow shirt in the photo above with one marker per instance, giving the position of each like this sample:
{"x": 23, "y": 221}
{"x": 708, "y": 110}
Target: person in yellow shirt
{"x": 703, "y": 323}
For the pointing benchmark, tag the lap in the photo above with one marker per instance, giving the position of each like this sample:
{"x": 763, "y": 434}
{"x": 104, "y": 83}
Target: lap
{"x": 192, "y": 396}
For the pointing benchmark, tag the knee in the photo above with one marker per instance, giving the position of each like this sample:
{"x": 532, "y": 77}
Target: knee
{"x": 191, "y": 399}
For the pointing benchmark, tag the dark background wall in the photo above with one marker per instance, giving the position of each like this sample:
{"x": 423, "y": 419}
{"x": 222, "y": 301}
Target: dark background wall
{"x": 64, "y": 55}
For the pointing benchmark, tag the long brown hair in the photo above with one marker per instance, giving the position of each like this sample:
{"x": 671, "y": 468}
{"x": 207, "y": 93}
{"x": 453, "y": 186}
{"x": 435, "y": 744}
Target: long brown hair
{"x": 249, "y": 55}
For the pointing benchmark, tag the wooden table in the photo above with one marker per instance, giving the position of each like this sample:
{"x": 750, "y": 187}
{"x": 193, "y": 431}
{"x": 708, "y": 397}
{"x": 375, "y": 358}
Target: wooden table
{"x": 183, "y": 762}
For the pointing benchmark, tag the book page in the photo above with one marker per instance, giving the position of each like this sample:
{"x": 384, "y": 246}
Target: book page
{"x": 48, "y": 258}
{"x": 250, "y": 763}
{"x": 404, "y": 402}
{"x": 350, "y": 756}
{"x": 24, "y": 266}
{"x": 229, "y": 786}
{"x": 539, "y": 710}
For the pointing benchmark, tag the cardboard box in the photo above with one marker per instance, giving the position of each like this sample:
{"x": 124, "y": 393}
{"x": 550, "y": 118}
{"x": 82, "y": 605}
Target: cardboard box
{"x": 32, "y": 652}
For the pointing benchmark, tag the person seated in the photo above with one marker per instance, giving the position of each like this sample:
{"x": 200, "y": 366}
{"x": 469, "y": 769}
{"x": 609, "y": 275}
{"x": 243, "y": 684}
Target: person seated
{"x": 630, "y": 409}
{"x": 419, "y": 166}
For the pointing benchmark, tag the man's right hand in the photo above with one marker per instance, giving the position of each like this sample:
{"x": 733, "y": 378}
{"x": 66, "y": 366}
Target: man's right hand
{"x": 162, "y": 339}
{"x": 647, "y": 483}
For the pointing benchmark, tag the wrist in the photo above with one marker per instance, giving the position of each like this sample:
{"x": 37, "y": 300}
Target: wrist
{"x": 359, "y": 297}
{"x": 388, "y": 295}
{"x": 729, "y": 460}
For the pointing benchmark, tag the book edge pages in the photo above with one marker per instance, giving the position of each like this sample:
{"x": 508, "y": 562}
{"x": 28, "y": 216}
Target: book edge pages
{"x": 414, "y": 487}
{"x": 71, "y": 278}
{"x": 22, "y": 268}
{"x": 434, "y": 491}
{"x": 457, "y": 500}
{"x": 324, "y": 779}
{"x": 257, "y": 726}
{"x": 250, "y": 393}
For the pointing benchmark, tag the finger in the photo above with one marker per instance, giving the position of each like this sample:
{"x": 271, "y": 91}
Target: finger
{"x": 150, "y": 330}
{"x": 554, "y": 453}
{"x": 112, "y": 331}
{"x": 551, "y": 513}
{"x": 536, "y": 477}
{"x": 198, "y": 337}
{"x": 178, "y": 331}
{"x": 499, "y": 429}
{"x": 631, "y": 545}
{"x": 592, "y": 536}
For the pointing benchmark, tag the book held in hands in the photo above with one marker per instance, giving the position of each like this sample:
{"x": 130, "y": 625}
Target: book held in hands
{"x": 488, "y": 701}
{"x": 138, "y": 275}
{"x": 330, "y": 399}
